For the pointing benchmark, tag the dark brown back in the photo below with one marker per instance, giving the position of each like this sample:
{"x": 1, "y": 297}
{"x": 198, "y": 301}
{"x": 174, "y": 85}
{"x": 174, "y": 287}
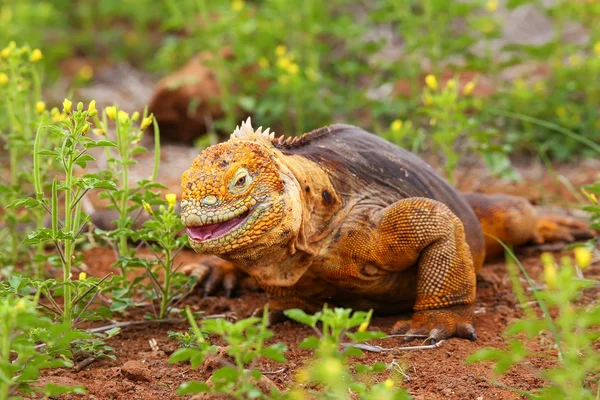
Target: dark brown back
{"x": 360, "y": 161}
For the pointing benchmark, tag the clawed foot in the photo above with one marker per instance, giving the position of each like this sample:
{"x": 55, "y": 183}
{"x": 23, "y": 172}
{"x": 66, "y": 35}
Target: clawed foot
{"x": 436, "y": 325}
{"x": 214, "y": 273}
{"x": 561, "y": 229}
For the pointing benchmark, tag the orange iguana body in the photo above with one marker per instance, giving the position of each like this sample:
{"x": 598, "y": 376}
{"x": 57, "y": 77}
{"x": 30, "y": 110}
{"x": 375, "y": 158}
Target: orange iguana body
{"x": 341, "y": 216}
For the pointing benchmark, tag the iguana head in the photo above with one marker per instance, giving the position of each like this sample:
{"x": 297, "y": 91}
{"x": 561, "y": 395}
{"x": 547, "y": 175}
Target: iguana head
{"x": 236, "y": 195}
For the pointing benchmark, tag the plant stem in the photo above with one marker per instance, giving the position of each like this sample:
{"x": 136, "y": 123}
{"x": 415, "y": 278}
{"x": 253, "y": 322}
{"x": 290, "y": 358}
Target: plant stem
{"x": 4, "y": 355}
{"x": 166, "y": 289}
{"x": 68, "y": 253}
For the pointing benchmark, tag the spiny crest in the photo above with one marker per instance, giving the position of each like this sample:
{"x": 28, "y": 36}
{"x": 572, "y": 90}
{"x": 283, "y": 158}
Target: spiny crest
{"x": 245, "y": 131}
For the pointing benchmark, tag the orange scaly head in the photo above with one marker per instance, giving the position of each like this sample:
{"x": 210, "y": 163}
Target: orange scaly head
{"x": 235, "y": 194}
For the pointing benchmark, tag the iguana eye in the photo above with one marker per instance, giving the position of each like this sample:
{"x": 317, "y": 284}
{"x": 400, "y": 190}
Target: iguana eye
{"x": 240, "y": 180}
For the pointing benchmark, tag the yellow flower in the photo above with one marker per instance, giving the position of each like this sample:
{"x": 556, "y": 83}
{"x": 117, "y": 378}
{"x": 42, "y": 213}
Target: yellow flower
{"x": 57, "y": 117}
{"x": 85, "y": 128}
{"x": 67, "y": 105}
{"x": 597, "y": 48}
{"x": 431, "y": 82}
{"x": 147, "y": 207}
{"x": 99, "y": 131}
{"x": 396, "y": 125}
{"x": 284, "y": 62}
{"x": 280, "y": 50}
{"x": 427, "y": 99}
{"x": 5, "y": 53}
{"x": 171, "y": 199}
{"x": 82, "y": 276}
{"x": 283, "y": 80}
{"x": 549, "y": 270}
{"x": 451, "y": 84}
{"x": 591, "y": 196}
{"x": 468, "y": 89}
{"x": 388, "y": 384}
{"x": 40, "y": 106}
{"x": 574, "y": 60}
{"x": 520, "y": 84}
{"x": 583, "y": 257}
{"x": 92, "y": 106}
{"x": 86, "y": 73}
{"x": 332, "y": 366}
{"x": 146, "y": 122}
{"x": 292, "y": 69}
{"x": 561, "y": 112}
{"x": 36, "y": 55}
{"x": 237, "y": 5}
{"x": 20, "y": 304}
{"x": 363, "y": 327}
{"x": 111, "y": 112}
{"x": 3, "y": 79}
{"x": 492, "y": 5}
{"x": 123, "y": 116}
{"x": 263, "y": 63}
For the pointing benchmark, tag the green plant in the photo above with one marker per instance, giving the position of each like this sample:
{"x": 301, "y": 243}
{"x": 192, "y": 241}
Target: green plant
{"x": 450, "y": 115}
{"x": 329, "y": 367}
{"x": 71, "y": 153}
{"x": 21, "y": 112}
{"x": 29, "y": 343}
{"x": 568, "y": 338}
{"x": 125, "y": 199}
{"x": 245, "y": 341}
{"x": 186, "y": 339}
{"x": 160, "y": 234}
{"x": 291, "y": 66}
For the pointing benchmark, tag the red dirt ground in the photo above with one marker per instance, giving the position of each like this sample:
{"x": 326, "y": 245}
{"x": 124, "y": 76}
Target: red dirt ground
{"x": 441, "y": 373}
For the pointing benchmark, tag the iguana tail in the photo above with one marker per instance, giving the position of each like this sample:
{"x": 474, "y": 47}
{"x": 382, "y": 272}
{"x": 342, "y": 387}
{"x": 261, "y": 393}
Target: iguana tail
{"x": 515, "y": 222}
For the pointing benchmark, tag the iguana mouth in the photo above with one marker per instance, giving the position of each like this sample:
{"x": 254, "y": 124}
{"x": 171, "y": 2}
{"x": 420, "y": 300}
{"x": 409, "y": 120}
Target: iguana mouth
{"x": 207, "y": 232}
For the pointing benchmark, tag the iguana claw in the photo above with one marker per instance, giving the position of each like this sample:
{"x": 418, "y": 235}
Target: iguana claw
{"x": 436, "y": 325}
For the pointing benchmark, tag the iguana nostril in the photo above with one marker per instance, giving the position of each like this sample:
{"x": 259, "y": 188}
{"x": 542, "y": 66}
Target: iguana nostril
{"x": 210, "y": 200}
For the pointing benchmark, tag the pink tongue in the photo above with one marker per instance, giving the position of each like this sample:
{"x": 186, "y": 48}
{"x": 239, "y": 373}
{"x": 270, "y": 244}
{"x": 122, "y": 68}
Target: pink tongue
{"x": 206, "y": 232}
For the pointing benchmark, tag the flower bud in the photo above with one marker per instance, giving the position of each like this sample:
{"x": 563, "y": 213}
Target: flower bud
{"x": 40, "y": 106}
{"x": 583, "y": 257}
{"x": 146, "y": 122}
{"x": 36, "y": 55}
{"x": 67, "y": 105}
{"x": 431, "y": 82}
{"x": 111, "y": 112}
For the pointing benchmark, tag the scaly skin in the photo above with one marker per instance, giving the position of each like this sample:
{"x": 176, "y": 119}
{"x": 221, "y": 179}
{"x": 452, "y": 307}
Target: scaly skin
{"x": 341, "y": 216}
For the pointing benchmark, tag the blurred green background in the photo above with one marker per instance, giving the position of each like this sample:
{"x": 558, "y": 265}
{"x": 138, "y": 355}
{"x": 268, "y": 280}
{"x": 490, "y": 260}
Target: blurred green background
{"x": 506, "y": 77}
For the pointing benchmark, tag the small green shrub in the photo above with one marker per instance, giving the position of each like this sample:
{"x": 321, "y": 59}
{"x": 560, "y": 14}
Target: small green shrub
{"x": 238, "y": 376}
{"x": 329, "y": 370}
{"x": 569, "y": 338}
{"x": 30, "y": 343}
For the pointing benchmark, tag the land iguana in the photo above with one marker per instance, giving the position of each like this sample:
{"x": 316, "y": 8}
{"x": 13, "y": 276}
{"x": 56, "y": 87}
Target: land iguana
{"x": 343, "y": 217}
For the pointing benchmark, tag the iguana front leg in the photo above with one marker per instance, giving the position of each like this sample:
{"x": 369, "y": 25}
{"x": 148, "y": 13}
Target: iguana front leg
{"x": 423, "y": 234}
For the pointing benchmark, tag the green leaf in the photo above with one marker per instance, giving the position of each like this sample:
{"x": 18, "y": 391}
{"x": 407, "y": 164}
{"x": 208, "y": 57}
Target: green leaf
{"x": 311, "y": 342}
{"x": 183, "y": 354}
{"x": 225, "y": 374}
{"x": 29, "y": 203}
{"x": 275, "y": 352}
{"x": 54, "y": 390}
{"x": 84, "y": 159}
{"x": 300, "y": 316}
{"x": 192, "y": 387}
